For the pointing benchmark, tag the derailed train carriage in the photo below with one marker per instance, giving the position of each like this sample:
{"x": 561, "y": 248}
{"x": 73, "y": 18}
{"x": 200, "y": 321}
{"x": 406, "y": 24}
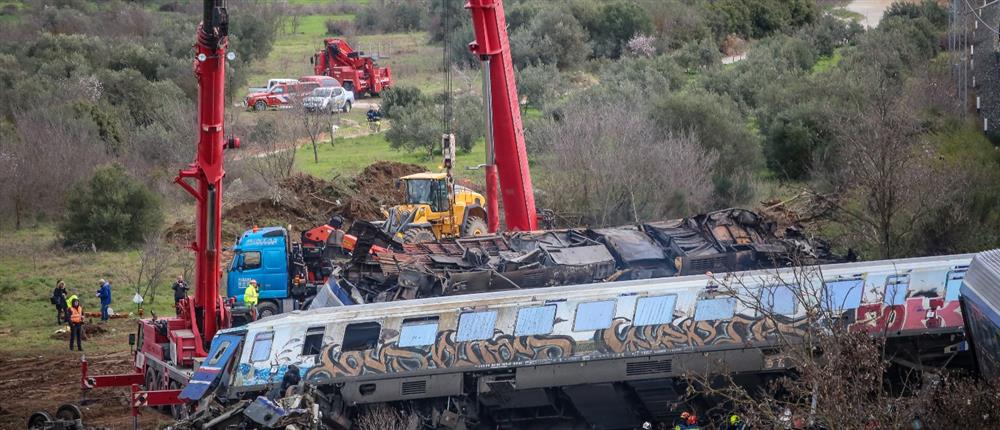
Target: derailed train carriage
{"x": 595, "y": 356}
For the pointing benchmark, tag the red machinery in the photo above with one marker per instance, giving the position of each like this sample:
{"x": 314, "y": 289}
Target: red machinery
{"x": 354, "y": 70}
{"x": 168, "y": 347}
{"x": 505, "y": 151}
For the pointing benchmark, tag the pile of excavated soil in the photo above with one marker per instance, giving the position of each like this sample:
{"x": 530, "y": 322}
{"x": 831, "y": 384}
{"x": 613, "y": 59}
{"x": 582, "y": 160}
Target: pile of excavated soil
{"x": 305, "y": 201}
{"x": 375, "y": 186}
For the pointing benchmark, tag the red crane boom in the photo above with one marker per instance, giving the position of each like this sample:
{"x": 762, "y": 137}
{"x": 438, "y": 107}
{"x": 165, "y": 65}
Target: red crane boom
{"x": 505, "y": 151}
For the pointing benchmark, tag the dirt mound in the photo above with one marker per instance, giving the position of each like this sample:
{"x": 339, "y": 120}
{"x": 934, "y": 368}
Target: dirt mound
{"x": 89, "y": 331}
{"x": 305, "y": 201}
{"x": 375, "y": 186}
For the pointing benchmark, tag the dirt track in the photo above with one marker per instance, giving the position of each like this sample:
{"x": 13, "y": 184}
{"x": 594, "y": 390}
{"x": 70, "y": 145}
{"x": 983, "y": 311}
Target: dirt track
{"x": 31, "y": 383}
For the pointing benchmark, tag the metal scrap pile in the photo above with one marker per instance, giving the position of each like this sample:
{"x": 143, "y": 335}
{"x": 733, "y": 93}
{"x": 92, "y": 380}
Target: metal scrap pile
{"x": 293, "y": 412}
{"x": 721, "y": 241}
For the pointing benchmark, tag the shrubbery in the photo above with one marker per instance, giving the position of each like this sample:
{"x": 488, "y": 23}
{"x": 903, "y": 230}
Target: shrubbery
{"x": 111, "y": 210}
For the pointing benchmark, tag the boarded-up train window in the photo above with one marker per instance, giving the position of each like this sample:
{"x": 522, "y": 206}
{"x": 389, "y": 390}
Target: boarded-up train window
{"x": 715, "y": 309}
{"x": 261, "y": 346}
{"x": 594, "y": 315}
{"x": 778, "y": 300}
{"x": 418, "y": 332}
{"x": 654, "y": 310}
{"x": 361, "y": 336}
{"x": 314, "y": 340}
{"x": 476, "y": 325}
{"x": 535, "y": 320}
{"x": 843, "y": 294}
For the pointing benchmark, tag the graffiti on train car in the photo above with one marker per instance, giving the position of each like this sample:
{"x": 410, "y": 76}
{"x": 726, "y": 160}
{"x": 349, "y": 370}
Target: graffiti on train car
{"x": 687, "y": 333}
{"x": 446, "y": 352}
{"x": 916, "y": 313}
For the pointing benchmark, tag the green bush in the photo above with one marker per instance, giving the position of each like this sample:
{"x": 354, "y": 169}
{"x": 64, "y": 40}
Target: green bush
{"x": 396, "y": 100}
{"x": 539, "y": 84}
{"x": 418, "y": 129}
{"x": 110, "y": 210}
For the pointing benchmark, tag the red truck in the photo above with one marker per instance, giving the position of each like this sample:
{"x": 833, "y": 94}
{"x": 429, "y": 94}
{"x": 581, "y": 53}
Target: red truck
{"x": 280, "y": 95}
{"x": 354, "y": 70}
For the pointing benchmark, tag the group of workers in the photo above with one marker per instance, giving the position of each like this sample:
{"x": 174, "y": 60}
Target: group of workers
{"x": 69, "y": 309}
{"x": 689, "y": 421}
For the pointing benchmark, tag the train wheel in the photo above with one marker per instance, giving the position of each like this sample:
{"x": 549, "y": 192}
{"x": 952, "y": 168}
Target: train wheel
{"x": 69, "y": 412}
{"x": 39, "y": 421}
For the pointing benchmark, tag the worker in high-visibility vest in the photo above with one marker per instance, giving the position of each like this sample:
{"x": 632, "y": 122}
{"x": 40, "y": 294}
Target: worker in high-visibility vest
{"x": 76, "y": 325}
{"x": 250, "y": 299}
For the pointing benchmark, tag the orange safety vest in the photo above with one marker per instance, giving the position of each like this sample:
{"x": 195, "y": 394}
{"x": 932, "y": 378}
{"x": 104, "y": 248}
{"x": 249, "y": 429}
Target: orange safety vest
{"x": 76, "y": 316}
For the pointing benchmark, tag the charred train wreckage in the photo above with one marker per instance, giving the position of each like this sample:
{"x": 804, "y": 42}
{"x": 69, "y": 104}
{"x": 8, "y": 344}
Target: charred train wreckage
{"x": 721, "y": 241}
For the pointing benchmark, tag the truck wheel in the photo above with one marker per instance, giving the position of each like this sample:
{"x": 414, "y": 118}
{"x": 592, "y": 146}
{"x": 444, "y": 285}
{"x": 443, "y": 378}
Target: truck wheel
{"x": 418, "y": 235}
{"x": 259, "y": 106}
{"x": 347, "y": 107}
{"x": 266, "y": 309}
{"x": 179, "y": 412}
{"x": 476, "y": 227}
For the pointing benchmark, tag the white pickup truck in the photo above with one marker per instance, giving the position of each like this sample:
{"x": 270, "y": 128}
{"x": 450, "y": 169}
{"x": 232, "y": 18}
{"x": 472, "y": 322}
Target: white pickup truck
{"x": 329, "y": 99}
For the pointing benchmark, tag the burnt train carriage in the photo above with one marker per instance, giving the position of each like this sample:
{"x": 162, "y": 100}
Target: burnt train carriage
{"x": 602, "y": 353}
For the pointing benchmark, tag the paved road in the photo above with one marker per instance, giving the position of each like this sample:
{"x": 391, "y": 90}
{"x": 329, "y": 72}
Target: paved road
{"x": 871, "y": 10}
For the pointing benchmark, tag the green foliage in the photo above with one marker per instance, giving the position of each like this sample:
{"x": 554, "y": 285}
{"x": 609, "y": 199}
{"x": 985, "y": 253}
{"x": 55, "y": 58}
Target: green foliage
{"x": 398, "y": 100}
{"x": 539, "y": 84}
{"x": 418, "y": 128}
{"x": 698, "y": 55}
{"x": 391, "y": 17}
{"x": 795, "y": 139}
{"x": 554, "y": 37}
{"x": 110, "y": 210}
{"x": 929, "y": 9}
{"x": 719, "y": 126}
{"x": 760, "y": 18}
{"x": 614, "y": 25}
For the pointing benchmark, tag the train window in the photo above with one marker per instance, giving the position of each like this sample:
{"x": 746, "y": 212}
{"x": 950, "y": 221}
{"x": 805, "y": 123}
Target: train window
{"x": 361, "y": 336}
{"x": 535, "y": 320}
{"x": 654, "y": 310}
{"x": 594, "y": 315}
{"x": 219, "y": 353}
{"x": 476, "y": 325}
{"x": 314, "y": 340}
{"x": 778, "y": 300}
{"x": 954, "y": 284}
{"x": 418, "y": 332}
{"x": 839, "y": 295}
{"x": 895, "y": 290}
{"x": 715, "y": 309}
{"x": 261, "y": 346}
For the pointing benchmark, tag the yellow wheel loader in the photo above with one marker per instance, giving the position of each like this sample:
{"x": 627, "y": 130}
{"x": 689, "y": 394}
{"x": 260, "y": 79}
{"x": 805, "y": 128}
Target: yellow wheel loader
{"x": 435, "y": 208}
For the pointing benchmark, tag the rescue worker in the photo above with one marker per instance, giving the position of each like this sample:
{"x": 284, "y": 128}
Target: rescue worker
{"x": 59, "y": 295}
{"x": 180, "y": 290}
{"x": 684, "y": 417}
{"x": 105, "y": 294}
{"x": 335, "y": 241}
{"x": 290, "y": 379}
{"x": 76, "y": 324}
{"x": 69, "y": 302}
{"x": 250, "y": 296}
{"x": 692, "y": 422}
{"x": 736, "y": 423}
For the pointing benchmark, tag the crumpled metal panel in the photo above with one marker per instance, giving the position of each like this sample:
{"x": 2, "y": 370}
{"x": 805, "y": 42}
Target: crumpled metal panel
{"x": 631, "y": 245}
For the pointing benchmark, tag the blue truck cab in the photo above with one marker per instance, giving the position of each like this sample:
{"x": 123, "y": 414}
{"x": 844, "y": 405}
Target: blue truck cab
{"x": 263, "y": 255}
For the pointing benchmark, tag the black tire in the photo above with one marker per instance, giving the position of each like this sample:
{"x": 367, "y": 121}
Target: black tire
{"x": 259, "y": 106}
{"x": 475, "y": 226}
{"x": 150, "y": 383}
{"x": 418, "y": 235}
{"x": 179, "y": 412}
{"x": 266, "y": 309}
{"x": 347, "y": 107}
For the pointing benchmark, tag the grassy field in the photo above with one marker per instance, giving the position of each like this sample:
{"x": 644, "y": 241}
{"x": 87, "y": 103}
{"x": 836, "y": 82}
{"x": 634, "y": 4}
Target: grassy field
{"x": 30, "y": 265}
{"x": 348, "y": 156}
{"x": 826, "y": 63}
